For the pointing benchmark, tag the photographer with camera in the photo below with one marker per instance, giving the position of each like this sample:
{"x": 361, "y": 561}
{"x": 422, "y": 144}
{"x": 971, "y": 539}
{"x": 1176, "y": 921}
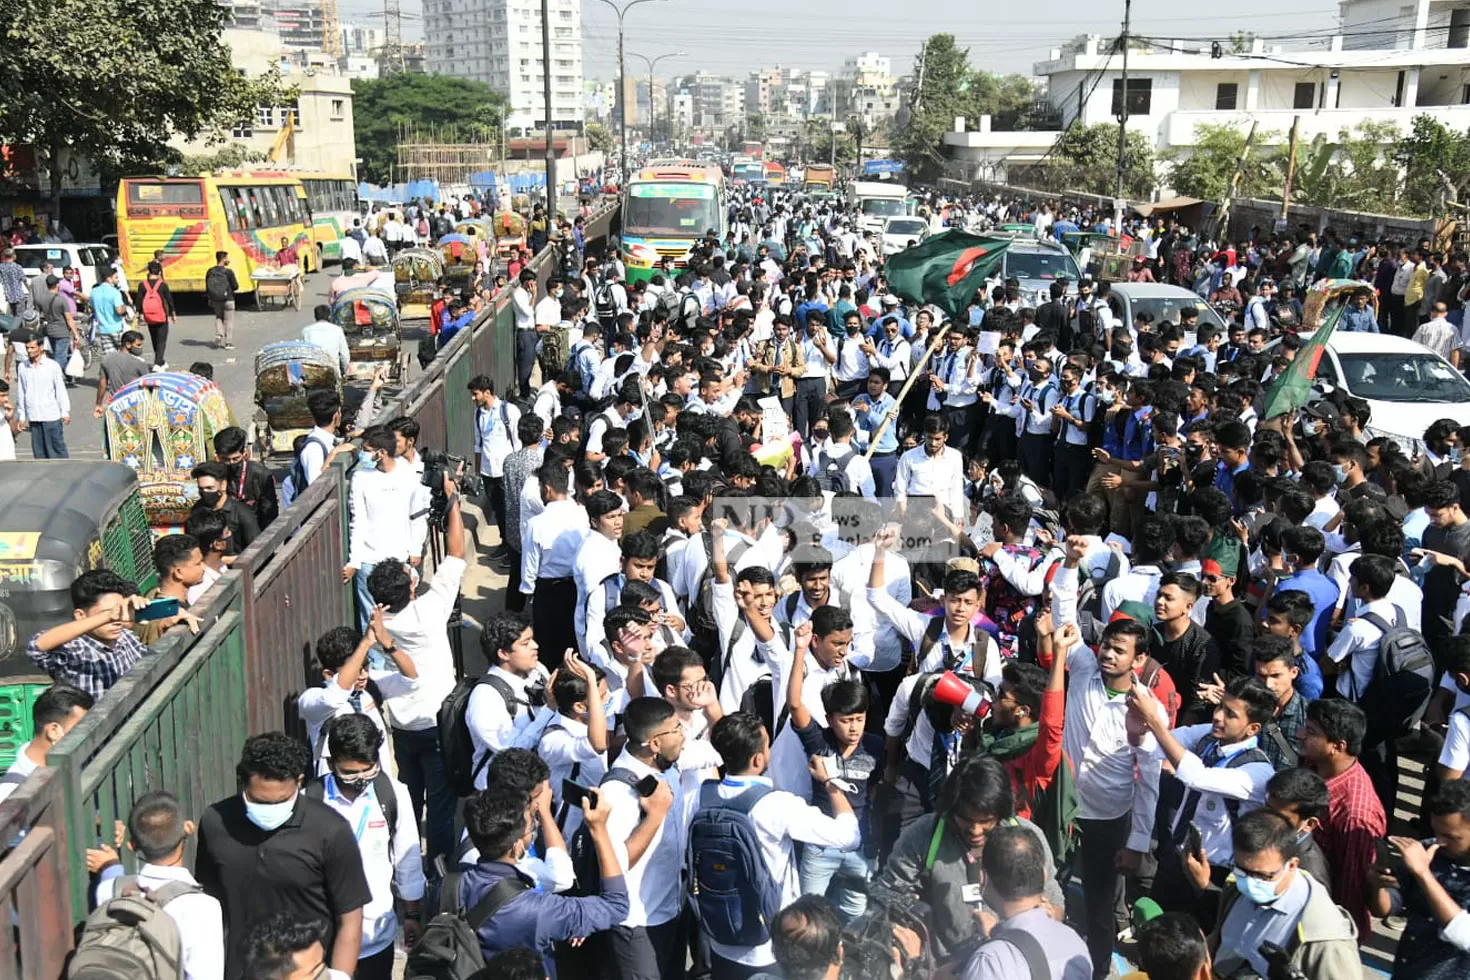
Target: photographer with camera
{"x": 419, "y": 627}
{"x": 1275, "y": 903}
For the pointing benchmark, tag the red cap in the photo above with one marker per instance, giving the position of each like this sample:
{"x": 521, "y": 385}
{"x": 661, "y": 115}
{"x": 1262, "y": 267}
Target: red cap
{"x": 1210, "y": 567}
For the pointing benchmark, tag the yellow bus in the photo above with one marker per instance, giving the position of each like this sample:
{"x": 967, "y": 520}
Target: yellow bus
{"x": 188, "y": 219}
{"x": 666, "y": 210}
{"x": 334, "y": 203}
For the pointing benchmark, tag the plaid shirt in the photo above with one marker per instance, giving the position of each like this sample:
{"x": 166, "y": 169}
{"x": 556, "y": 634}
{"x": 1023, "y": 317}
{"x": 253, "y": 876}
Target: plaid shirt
{"x": 88, "y": 663}
{"x": 13, "y": 281}
{"x": 1355, "y": 821}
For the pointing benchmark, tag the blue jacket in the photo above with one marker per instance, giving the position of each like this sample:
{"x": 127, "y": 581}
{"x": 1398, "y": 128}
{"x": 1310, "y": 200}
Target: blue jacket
{"x": 537, "y": 919}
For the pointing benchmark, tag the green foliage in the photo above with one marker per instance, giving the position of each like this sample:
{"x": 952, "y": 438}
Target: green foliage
{"x": 1087, "y": 160}
{"x": 599, "y": 138}
{"x": 452, "y": 109}
{"x": 1204, "y": 170}
{"x": 117, "y": 79}
{"x": 817, "y": 142}
{"x": 952, "y": 88}
{"x": 228, "y": 157}
{"x": 1436, "y": 162}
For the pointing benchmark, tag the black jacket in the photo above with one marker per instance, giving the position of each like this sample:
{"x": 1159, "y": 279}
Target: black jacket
{"x": 257, "y": 491}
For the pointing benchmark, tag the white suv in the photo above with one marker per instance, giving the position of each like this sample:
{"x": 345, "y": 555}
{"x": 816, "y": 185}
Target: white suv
{"x": 84, "y": 257}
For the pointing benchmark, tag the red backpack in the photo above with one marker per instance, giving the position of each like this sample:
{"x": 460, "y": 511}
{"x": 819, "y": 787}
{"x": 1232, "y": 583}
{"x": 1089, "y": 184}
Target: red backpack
{"x": 153, "y": 310}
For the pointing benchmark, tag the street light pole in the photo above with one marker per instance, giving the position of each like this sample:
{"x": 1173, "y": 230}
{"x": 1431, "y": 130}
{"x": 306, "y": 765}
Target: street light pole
{"x": 623, "y": 79}
{"x": 651, "y": 62}
{"x": 546, "y": 94}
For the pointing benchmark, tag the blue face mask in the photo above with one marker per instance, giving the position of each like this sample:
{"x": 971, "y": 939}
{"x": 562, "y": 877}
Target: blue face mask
{"x": 1257, "y": 891}
{"x": 1339, "y": 472}
{"x": 365, "y": 460}
{"x": 269, "y": 816}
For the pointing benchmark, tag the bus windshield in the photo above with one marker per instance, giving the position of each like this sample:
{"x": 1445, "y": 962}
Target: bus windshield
{"x": 674, "y": 210}
{"x": 886, "y": 207}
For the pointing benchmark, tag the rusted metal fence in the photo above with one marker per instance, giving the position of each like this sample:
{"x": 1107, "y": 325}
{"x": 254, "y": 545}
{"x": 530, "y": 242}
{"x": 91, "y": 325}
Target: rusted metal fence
{"x": 178, "y": 719}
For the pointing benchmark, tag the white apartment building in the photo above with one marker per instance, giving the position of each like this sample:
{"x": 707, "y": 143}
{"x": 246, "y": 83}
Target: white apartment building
{"x": 1419, "y": 65}
{"x": 361, "y": 39}
{"x": 499, "y": 42}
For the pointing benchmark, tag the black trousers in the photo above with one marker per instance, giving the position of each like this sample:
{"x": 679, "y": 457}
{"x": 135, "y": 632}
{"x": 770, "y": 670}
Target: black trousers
{"x": 811, "y": 397}
{"x": 848, "y": 390}
{"x": 379, "y": 966}
{"x": 495, "y": 494}
{"x": 1102, "y": 885}
{"x": 159, "y": 333}
{"x": 999, "y": 442}
{"x": 961, "y": 426}
{"x": 551, "y": 622}
{"x": 648, "y": 952}
{"x": 1035, "y": 453}
{"x": 515, "y": 599}
{"x": 525, "y": 360}
{"x": 1070, "y": 469}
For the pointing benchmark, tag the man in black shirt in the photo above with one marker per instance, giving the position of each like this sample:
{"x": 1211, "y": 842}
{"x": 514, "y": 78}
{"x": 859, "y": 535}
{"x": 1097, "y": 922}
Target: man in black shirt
{"x": 1187, "y": 652}
{"x": 273, "y": 849}
{"x": 1227, "y": 619}
{"x": 213, "y": 480}
{"x": 1448, "y": 533}
{"x": 250, "y": 482}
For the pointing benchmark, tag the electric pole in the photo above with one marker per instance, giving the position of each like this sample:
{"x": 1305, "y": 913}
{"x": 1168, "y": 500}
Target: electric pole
{"x": 546, "y": 93}
{"x": 1122, "y": 125}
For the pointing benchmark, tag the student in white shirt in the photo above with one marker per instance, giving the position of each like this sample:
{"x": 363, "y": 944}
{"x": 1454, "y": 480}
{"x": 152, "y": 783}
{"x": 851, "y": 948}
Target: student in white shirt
{"x": 508, "y": 699}
{"x": 389, "y": 506}
{"x": 932, "y": 469}
{"x": 1354, "y": 651}
{"x": 649, "y": 834}
{"x": 780, "y": 819}
{"x": 356, "y": 786}
{"x": 826, "y": 661}
{"x": 157, "y": 832}
{"x": 851, "y": 463}
{"x": 574, "y": 742}
{"x": 1454, "y": 758}
{"x": 548, "y": 559}
{"x": 343, "y": 691}
{"x": 599, "y": 555}
{"x": 497, "y": 423}
{"x": 743, "y": 623}
{"x": 639, "y": 553}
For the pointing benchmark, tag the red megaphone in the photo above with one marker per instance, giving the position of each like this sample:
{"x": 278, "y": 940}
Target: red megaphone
{"x": 952, "y": 689}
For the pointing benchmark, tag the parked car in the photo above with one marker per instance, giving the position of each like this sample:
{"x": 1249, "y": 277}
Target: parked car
{"x": 83, "y": 257}
{"x": 901, "y": 232}
{"x": 1407, "y": 386}
{"x": 1162, "y": 302}
{"x": 1036, "y": 263}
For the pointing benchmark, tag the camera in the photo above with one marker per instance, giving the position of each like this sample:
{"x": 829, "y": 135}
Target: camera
{"x": 436, "y": 466}
{"x": 1278, "y": 963}
{"x": 868, "y": 942}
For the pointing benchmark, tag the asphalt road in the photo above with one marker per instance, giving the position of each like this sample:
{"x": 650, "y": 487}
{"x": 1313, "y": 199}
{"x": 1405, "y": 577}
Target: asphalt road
{"x": 193, "y": 340}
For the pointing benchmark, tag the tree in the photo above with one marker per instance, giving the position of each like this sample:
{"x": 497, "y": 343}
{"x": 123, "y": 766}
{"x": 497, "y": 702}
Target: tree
{"x": 116, "y": 80}
{"x": 1204, "y": 170}
{"x": 598, "y": 137}
{"x": 451, "y": 108}
{"x": 1086, "y": 159}
{"x": 1436, "y": 164}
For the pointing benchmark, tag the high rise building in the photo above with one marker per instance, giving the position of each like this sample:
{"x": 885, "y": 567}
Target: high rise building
{"x": 499, "y": 42}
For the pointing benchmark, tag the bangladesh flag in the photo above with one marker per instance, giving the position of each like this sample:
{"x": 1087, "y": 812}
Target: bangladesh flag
{"x": 946, "y": 269}
{"x": 1294, "y": 388}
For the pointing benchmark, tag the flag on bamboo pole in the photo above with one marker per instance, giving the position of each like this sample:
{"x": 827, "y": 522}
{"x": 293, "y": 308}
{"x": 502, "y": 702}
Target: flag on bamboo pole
{"x": 945, "y": 270}
{"x": 1294, "y": 388}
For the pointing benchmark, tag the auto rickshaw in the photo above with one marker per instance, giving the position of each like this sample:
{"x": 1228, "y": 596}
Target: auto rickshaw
{"x": 510, "y": 235}
{"x": 374, "y": 333}
{"x": 163, "y": 425}
{"x": 1325, "y": 296}
{"x": 1088, "y": 247}
{"x": 460, "y": 256}
{"x": 58, "y": 519}
{"x": 416, "y": 273}
{"x": 477, "y": 228}
{"x": 285, "y": 374}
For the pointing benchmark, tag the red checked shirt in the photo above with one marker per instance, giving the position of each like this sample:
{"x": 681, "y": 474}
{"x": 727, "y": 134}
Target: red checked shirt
{"x": 1355, "y": 820}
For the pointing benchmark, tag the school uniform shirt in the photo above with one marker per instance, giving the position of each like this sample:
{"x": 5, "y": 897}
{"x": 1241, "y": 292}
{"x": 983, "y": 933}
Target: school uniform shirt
{"x": 419, "y": 630}
{"x": 551, "y": 541}
{"x": 850, "y": 578}
{"x": 656, "y": 886}
{"x": 787, "y": 768}
{"x": 895, "y": 355}
{"x": 1140, "y": 584}
{"x": 1358, "y": 640}
{"x": 391, "y": 858}
{"x": 596, "y": 607}
{"x": 814, "y": 362}
{"x": 960, "y": 387}
{"x": 1037, "y": 421}
{"x": 489, "y": 719}
{"x": 495, "y": 436}
{"x": 1323, "y": 511}
{"x": 1209, "y": 776}
{"x": 766, "y": 551}
{"x": 319, "y": 705}
{"x": 1082, "y": 404}
{"x": 855, "y": 467}
{"x": 780, "y": 819}
{"x": 598, "y": 558}
{"x": 565, "y": 748}
{"x": 942, "y": 476}
{"x": 852, "y": 361}
{"x": 912, "y": 625}
{"x": 869, "y": 414}
{"x": 747, "y": 659}
{"x": 198, "y": 917}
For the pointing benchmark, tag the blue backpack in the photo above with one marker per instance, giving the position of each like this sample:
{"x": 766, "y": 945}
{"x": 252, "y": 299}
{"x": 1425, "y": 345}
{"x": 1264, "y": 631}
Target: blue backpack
{"x": 736, "y": 894}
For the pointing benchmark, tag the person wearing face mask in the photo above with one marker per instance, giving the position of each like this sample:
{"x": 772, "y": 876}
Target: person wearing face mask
{"x": 379, "y": 810}
{"x": 342, "y": 657}
{"x": 251, "y": 482}
{"x": 213, "y": 480}
{"x": 1269, "y": 899}
{"x": 386, "y": 495}
{"x": 853, "y": 362}
{"x": 272, "y": 847}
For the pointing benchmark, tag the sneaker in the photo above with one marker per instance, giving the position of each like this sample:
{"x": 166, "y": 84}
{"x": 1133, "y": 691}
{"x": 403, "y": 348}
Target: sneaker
{"x": 160, "y": 367}
{"x": 229, "y": 346}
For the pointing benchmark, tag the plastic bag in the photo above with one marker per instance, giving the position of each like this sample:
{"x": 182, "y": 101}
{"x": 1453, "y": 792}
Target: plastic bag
{"x": 75, "y": 365}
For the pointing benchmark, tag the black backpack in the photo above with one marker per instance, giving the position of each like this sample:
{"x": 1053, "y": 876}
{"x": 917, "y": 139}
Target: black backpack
{"x": 295, "y": 483}
{"x": 1403, "y": 680}
{"x": 702, "y": 609}
{"x": 832, "y": 471}
{"x": 604, "y": 304}
{"x": 581, "y": 849}
{"x": 217, "y": 285}
{"x": 455, "y": 745}
{"x": 387, "y": 797}
{"x": 450, "y": 946}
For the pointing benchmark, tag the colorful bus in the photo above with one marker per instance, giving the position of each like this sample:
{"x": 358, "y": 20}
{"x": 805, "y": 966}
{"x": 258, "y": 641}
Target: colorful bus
{"x": 188, "y": 219}
{"x": 665, "y": 211}
{"x": 752, "y": 149}
{"x": 747, "y": 170}
{"x": 334, "y": 203}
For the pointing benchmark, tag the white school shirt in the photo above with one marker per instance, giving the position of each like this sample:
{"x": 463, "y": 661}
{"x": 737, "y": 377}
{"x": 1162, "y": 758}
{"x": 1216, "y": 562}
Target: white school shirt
{"x": 489, "y": 720}
{"x": 1245, "y": 784}
{"x": 960, "y": 384}
{"x": 495, "y": 436}
{"x": 893, "y": 355}
{"x": 598, "y": 558}
{"x": 564, "y": 746}
{"x": 420, "y": 631}
{"x": 781, "y": 818}
{"x": 319, "y": 705}
{"x": 942, "y": 476}
{"x": 766, "y": 551}
{"x": 747, "y": 660}
{"x": 850, "y": 578}
{"x": 814, "y": 361}
{"x": 912, "y": 625}
{"x": 551, "y": 542}
{"x": 198, "y": 917}
{"x": 1359, "y": 640}
{"x": 852, "y": 360}
{"x": 391, "y": 858}
{"x": 596, "y": 607}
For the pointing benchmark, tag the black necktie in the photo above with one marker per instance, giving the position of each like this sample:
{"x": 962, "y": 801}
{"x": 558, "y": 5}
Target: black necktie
{"x": 355, "y": 699}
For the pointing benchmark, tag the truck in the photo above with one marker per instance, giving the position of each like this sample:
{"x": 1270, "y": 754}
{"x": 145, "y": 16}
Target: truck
{"x": 819, "y": 179}
{"x": 876, "y": 202}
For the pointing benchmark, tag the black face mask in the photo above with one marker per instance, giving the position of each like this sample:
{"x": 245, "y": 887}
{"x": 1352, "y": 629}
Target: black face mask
{"x": 235, "y": 469}
{"x": 209, "y": 498}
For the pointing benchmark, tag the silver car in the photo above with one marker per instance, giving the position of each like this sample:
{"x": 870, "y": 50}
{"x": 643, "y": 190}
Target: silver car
{"x": 1036, "y": 263}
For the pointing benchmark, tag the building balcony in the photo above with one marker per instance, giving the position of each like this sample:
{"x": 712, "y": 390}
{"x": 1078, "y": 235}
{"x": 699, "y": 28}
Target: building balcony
{"x": 1178, "y": 129}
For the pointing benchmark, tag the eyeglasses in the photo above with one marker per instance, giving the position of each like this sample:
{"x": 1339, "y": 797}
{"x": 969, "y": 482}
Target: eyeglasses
{"x": 359, "y": 778}
{"x": 672, "y": 731}
{"x": 1259, "y": 875}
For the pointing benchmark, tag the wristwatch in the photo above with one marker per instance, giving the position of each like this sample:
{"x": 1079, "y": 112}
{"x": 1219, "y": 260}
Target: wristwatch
{"x": 391, "y": 649}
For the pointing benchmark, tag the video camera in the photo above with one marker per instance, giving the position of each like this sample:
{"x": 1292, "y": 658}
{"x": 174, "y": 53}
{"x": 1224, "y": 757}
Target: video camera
{"x": 868, "y": 942}
{"x": 436, "y": 466}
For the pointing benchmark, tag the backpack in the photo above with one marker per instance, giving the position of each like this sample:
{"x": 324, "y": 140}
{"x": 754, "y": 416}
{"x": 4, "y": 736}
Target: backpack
{"x": 131, "y": 937}
{"x": 671, "y": 303}
{"x": 1403, "y": 680}
{"x": 1289, "y": 755}
{"x": 571, "y": 371}
{"x": 604, "y": 304}
{"x": 153, "y": 308}
{"x": 383, "y": 792}
{"x": 455, "y": 745}
{"x": 832, "y": 471}
{"x": 702, "y": 609}
{"x": 736, "y": 895}
{"x": 583, "y": 852}
{"x": 450, "y": 946}
{"x": 295, "y": 483}
{"x": 217, "y": 285}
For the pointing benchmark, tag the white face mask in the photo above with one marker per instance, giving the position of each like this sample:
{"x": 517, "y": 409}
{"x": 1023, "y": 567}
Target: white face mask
{"x": 269, "y": 816}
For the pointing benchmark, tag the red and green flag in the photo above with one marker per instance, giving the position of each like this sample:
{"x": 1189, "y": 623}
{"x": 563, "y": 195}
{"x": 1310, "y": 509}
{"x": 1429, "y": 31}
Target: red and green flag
{"x": 945, "y": 270}
{"x": 1293, "y": 389}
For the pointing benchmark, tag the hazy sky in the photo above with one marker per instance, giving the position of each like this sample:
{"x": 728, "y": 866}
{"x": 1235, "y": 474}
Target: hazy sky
{"x": 739, "y": 36}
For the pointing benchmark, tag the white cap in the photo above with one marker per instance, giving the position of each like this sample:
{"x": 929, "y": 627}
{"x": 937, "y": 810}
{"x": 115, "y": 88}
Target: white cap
{"x": 890, "y": 300}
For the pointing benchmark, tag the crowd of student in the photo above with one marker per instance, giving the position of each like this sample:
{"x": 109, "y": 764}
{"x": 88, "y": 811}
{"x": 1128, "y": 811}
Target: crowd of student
{"x": 1058, "y": 662}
